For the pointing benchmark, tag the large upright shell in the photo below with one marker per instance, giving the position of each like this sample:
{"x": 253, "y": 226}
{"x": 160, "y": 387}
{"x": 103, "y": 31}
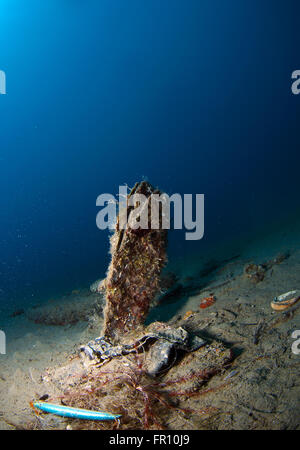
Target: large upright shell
{"x": 133, "y": 277}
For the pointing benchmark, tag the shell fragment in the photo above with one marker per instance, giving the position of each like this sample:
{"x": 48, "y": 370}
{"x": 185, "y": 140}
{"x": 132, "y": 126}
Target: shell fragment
{"x": 286, "y": 300}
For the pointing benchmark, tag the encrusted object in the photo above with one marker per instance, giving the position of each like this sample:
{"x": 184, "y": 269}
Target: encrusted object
{"x": 255, "y": 273}
{"x": 133, "y": 278}
{"x": 132, "y": 282}
{"x": 164, "y": 342}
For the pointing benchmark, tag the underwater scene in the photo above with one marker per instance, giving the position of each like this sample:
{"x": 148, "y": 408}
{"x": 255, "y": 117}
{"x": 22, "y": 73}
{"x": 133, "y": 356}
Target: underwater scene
{"x": 149, "y": 215}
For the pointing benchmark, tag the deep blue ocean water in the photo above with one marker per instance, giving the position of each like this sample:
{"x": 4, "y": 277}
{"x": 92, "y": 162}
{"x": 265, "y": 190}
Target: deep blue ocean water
{"x": 193, "y": 95}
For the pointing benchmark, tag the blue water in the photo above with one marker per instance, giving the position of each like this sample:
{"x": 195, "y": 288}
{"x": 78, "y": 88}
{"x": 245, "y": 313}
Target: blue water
{"x": 194, "y": 95}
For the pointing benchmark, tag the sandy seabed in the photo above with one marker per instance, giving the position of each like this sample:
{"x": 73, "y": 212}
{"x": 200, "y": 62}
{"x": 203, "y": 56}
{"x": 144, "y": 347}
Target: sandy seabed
{"x": 259, "y": 389}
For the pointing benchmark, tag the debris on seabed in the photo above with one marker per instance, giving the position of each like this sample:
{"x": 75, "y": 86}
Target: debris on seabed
{"x": 188, "y": 314}
{"x": 231, "y": 374}
{"x": 207, "y": 301}
{"x": 286, "y": 300}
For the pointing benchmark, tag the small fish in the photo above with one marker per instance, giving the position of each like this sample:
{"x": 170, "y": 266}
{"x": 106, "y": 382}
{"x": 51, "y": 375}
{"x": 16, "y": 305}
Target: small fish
{"x": 75, "y": 413}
